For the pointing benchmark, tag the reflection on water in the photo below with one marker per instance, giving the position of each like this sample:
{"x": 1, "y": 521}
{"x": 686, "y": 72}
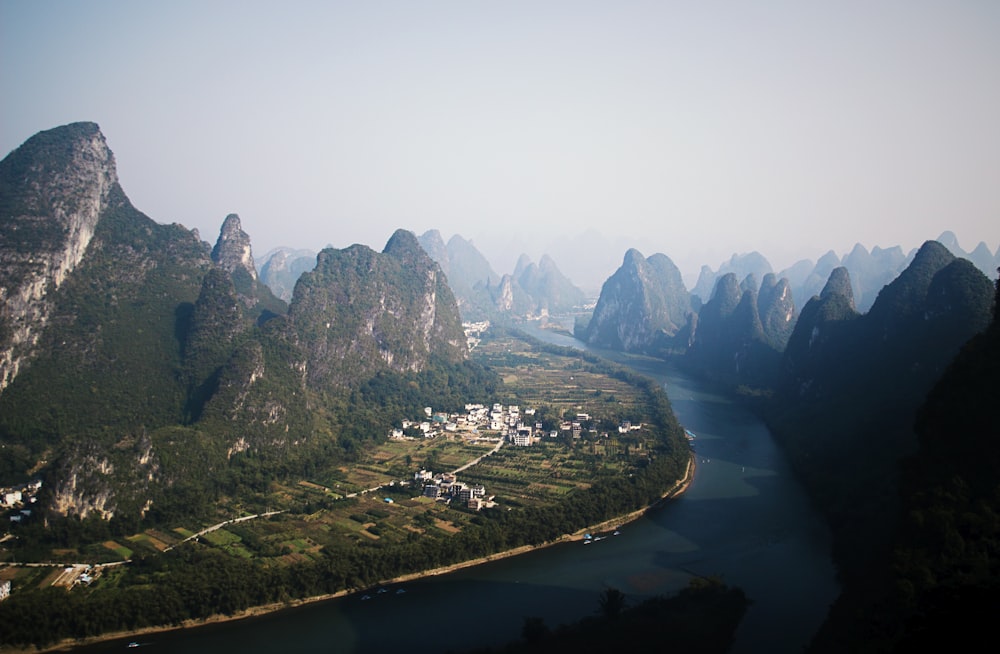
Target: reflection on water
{"x": 744, "y": 518}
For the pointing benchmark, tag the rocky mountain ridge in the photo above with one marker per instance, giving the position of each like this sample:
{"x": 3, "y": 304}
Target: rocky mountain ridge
{"x": 137, "y": 359}
{"x": 643, "y": 305}
{"x": 54, "y": 191}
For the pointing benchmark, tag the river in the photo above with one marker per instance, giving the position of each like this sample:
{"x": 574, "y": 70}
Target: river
{"x": 744, "y": 518}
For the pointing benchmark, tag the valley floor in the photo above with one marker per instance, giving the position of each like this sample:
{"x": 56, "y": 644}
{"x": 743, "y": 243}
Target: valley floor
{"x": 678, "y": 489}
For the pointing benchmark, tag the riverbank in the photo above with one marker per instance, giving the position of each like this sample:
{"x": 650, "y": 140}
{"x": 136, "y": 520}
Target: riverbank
{"x": 676, "y": 490}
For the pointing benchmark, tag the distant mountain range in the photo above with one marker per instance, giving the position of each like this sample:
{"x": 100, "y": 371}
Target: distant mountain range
{"x": 869, "y": 271}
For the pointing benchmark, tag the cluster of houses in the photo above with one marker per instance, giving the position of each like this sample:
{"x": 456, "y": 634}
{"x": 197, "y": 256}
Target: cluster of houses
{"x": 446, "y": 487}
{"x": 19, "y": 499}
{"x": 507, "y": 421}
{"x": 474, "y": 332}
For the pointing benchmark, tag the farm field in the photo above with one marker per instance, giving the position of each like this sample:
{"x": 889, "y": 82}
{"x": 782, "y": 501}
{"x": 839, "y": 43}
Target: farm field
{"x": 339, "y": 508}
{"x": 572, "y": 407}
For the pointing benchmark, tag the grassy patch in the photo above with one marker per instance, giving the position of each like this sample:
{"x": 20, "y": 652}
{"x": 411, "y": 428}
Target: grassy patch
{"x": 119, "y": 549}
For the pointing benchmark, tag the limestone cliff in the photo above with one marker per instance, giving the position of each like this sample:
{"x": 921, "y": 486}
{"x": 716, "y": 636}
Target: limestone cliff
{"x": 234, "y": 255}
{"x": 53, "y": 190}
{"x": 137, "y": 363}
{"x": 777, "y": 310}
{"x": 232, "y": 252}
{"x": 478, "y": 290}
{"x": 359, "y": 312}
{"x": 643, "y": 303}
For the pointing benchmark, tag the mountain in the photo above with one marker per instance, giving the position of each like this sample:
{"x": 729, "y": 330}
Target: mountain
{"x": 944, "y": 547}
{"x": 234, "y": 255}
{"x": 53, "y": 191}
{"x": 871, "y": 271}
{"x": 776, "y": 309}
{"x": 95, "y": 345}
{"x": 642, "y": 306}
{"x": 980, "y": 256}
{"x": 741, "y": 265}
{"x": 811, "y": 356}
{"x": 938, "y": 574}
{"x": 360, "y": 312}
{"x": 548, "y": 289}
{"x": 145, "y": 373}
{"x": 531, "y": 289}
{"x": 281, "y": 268}
{"x": 915, "y": 326}
{"x": 851, "y": 384}
{"x": 469, "y": 274}
{"x": 868, "y": 271}
{"x": 730, "y": 341}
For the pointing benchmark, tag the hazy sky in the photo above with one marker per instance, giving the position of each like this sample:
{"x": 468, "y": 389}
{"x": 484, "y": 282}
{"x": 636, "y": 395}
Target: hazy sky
{"x": 696, "y": 129}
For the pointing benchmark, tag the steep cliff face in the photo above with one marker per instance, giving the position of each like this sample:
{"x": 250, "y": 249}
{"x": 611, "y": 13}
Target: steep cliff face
{"x": 53, "y": 190}
{"x": 478, "y": 290}
{"x": 433, "y": 244}
{"x": 641, "y": 305}
{"x": 233, "y": 254}
{"x": 813, "y": 347}
{"x": 359, "y": 312}
{"x": 776, "y": 309}
{"x": 154, "y": 361}
{"x": 729, "y": 340}
{"x": 505, "y": 294}
{"x": 97, "y": 294}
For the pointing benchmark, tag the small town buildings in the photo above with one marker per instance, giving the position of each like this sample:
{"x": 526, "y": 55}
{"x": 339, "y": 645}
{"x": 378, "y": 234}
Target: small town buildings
{"x": 522, "y": 437}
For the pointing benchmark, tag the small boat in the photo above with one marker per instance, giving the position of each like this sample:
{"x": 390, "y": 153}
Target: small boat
{"x": 382, "y": 590}
{"x": 400, "y": 591}
{"x": 133, "y": 644}
{"x": 366, "y": 597}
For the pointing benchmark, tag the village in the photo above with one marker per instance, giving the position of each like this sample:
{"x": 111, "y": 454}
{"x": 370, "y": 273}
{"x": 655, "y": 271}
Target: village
{"x": 18, "y": 499}
{"x": 500, "y": 424}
